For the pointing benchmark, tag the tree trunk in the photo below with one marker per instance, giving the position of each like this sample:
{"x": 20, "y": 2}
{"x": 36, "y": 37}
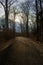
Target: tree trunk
{"x": 41, "y": 22}
{"x": 27, "y": 26}
{"x": 37, "y": 20}
{"x": 14, "y": 20}
{"x": 6, "y": 19}
{"x": 6, "y": 14}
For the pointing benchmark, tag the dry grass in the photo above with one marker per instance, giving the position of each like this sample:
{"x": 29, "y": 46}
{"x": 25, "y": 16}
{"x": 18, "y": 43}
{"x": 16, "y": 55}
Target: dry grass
{"x": 6, "y": 35}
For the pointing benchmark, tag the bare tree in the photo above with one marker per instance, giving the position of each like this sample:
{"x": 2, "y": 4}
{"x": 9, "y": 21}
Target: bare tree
{"x": 41, "y": 22}
{"x": 6, "y": 5}
{"x": 39, "y": 19}
{"x": 25, "y": 7}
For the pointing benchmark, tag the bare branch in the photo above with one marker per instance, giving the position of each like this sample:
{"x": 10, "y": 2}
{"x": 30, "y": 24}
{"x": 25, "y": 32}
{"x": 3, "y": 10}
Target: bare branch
{"x": 2, "y": 4}
{"x": 11, "y": 2}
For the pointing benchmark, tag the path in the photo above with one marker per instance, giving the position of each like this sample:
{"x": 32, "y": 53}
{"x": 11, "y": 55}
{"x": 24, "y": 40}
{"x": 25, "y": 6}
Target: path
{"x": 24, "y": 51}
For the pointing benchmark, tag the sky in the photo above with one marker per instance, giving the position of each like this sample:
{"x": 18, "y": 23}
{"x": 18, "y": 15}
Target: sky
{"x": 21, "y": 0}
{"x": 2, "y": 10}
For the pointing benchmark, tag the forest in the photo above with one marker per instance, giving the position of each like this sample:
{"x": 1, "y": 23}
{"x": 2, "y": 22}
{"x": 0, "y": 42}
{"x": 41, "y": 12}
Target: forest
{"x": 21, "y": 32}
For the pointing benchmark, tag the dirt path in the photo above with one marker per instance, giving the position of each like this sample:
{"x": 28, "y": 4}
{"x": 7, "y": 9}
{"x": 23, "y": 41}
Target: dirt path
{"x": 24, "y": 51}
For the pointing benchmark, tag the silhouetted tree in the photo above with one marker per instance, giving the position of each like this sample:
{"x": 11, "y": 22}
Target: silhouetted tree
{"x": 41, "y": 23}
{"x": 7, "y": 4}
{"x": 37, "y": 20}
{"x": 25, "y": 7}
